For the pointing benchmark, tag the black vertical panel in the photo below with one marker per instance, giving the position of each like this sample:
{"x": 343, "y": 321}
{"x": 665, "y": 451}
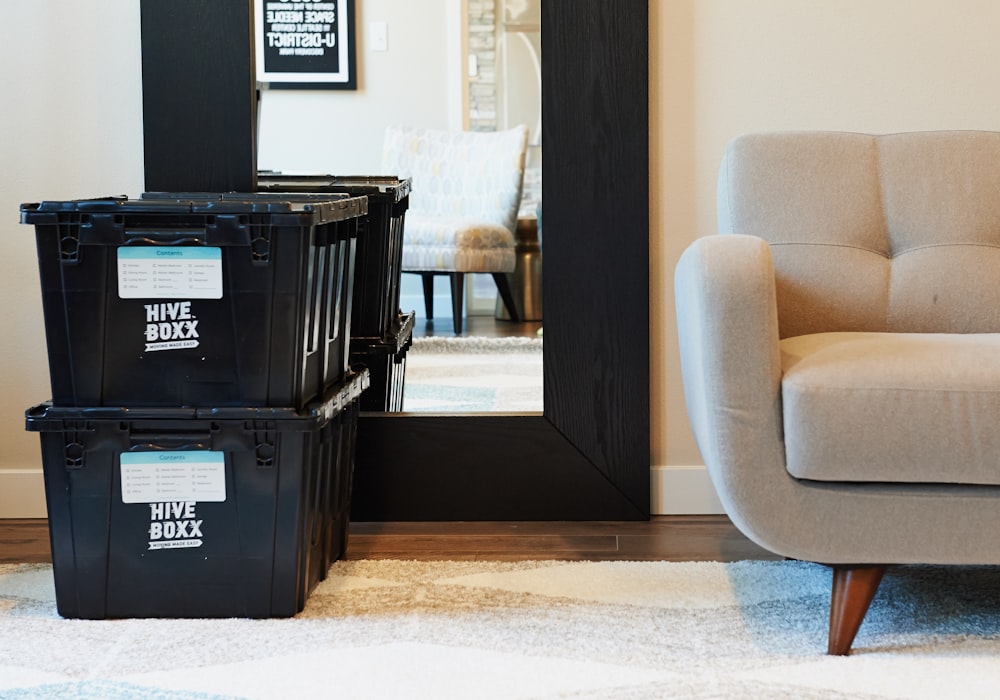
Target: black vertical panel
{"x": 587, "y": 458}
{"x": 595, "y": 203}
{"x": 198, "y": 95}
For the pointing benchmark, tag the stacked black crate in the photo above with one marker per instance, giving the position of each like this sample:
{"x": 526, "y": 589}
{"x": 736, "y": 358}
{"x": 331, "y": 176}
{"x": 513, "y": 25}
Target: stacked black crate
{"x": 381, "y": 333}
{"x": 195, "y": 445}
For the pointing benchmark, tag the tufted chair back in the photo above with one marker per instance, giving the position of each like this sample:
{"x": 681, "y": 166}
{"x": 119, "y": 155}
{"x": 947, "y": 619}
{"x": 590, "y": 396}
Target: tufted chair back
{"x": 466, "y": 174}
{"x": 896, "y": 233}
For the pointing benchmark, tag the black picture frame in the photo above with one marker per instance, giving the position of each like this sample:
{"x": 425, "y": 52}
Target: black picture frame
{"x": 293, "y": 38}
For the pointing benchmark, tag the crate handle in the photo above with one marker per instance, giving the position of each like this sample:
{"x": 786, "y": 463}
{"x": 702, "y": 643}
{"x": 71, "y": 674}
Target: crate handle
{"x": 188, "y": 236}
{"x": 169, "y": 443}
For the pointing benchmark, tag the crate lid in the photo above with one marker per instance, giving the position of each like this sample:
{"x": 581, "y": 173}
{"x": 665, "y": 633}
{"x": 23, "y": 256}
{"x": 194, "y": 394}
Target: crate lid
{"x": 398, "y": 337}
{"x": 46, "y": 417}
{"x": 329, "y": 206}
{"x": 313, "y": 209}
{"x": 387, "y": 186}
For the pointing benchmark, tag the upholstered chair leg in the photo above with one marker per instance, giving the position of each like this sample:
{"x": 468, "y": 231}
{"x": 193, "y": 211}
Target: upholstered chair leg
{"x": 457, "y": 290}
{"x": 854, "y": 588}
{"x": 503, "y": 285}
{"x": 428, "y": 279}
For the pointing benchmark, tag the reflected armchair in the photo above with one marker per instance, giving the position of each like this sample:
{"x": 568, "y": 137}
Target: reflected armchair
{"x": 840, "y": 348}
{"x": 463, "y": 206}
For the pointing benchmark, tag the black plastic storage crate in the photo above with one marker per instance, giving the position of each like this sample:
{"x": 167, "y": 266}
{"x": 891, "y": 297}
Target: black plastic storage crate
{"x": 174, "y": 512}
{"x": 339, "y": 294}
{"x": 195, "y": 302}
{"x": 380, "y": 244}
{"x": 386, "y": 361}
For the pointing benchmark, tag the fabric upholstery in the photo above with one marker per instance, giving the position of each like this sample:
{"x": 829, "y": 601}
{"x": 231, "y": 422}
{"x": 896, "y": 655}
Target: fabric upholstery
{"x": 838, "y": 345}
{"x": 465, "y": 196}
{"x": 892, "y": 407}
{"x": 872, "y": 233}
{"x": 453, "y": 243}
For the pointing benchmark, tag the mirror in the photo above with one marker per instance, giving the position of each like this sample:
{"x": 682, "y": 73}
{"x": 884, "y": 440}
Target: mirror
{"x": 496, "y": 364}
{"x": 587, "y": 456}
{"x": 479, "y": 68}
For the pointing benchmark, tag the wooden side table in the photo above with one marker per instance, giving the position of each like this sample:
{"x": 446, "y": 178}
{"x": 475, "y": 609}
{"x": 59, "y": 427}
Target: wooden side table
{"x": 526, "y": 279}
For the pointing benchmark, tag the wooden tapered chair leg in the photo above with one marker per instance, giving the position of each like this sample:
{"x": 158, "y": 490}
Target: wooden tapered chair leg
{"x": 854, "y": 588}
{"x": 507, "y": 295}
{"x": 457, "y": 297}
{"x": 427, "y": 278}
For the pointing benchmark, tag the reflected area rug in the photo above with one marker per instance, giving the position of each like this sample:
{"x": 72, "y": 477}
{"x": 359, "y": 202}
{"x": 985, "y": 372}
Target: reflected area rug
{"x": 505, "y": 630}
{"x": 471, "y": 374}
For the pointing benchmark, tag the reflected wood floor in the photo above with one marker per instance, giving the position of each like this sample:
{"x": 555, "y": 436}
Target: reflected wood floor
{"x": 662, "y": 538}
{"x": 478, "y": 326}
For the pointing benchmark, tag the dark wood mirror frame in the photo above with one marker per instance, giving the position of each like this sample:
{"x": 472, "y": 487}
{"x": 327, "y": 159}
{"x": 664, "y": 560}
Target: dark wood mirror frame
{"x": 587, "y": 456}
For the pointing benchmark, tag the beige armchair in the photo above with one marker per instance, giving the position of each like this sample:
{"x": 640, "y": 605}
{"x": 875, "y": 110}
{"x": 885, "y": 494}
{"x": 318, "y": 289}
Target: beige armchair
{"x": 840, "y": 347}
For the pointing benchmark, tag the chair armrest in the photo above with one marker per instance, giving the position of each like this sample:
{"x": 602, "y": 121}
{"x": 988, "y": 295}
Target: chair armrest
{"x": 730, "y": 361}
{"x": 727, "y": 323}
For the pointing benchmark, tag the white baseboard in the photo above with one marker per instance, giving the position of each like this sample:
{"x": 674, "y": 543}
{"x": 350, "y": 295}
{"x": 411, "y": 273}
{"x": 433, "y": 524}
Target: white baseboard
{"x": 22, "y": 493}
{"x": 674, "y": 490}
{"x": 682, "y": 490}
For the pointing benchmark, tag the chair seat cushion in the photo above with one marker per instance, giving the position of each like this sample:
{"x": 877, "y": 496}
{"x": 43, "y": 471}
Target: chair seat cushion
{"x": 434, "y": 243}
{"x": 892, "y": 407}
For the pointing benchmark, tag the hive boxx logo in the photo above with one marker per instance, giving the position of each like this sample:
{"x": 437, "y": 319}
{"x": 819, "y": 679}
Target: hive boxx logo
{"x": 174, "y": 525}
{"x": 170, "y": 326}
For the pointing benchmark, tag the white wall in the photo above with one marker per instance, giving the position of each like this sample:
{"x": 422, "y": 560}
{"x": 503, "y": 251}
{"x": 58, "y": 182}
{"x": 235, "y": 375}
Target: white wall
{"x": 72, "y": 127}
{"x": 724, "y": 67}
{"x": 339, "y": 131}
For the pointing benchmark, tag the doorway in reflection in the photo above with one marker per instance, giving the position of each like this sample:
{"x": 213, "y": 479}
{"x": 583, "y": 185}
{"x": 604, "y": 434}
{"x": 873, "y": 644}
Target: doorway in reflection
{"x": 504, "y": 90}
{"x": 496, "y": 363}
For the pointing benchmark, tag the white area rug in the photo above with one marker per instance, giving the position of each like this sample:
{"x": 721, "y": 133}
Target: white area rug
{"x": 473, "y": 374}
{"x": 484, "y": 630}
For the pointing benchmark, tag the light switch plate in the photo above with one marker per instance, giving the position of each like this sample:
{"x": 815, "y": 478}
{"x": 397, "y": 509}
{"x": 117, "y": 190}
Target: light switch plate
{"x": 378, "y": 36}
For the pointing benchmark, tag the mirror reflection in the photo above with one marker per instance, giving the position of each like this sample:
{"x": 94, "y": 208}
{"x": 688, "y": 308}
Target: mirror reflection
{"x": 449, "y": 67}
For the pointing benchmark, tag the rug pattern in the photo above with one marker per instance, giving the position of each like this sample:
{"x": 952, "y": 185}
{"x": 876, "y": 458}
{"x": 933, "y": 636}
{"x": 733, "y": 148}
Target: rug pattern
{"x": 617, "y": 630}
{"x": 474, "y": 375}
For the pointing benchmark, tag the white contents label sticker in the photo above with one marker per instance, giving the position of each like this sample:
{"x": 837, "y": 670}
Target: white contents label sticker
{"x": 169, "y": 272}
{"x": 175, "y": 476}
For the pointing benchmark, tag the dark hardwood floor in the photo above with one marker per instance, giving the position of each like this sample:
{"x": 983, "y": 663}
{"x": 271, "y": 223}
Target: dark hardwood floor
{"x": 662, "y": 538}
{"x": 479, "y": 326}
